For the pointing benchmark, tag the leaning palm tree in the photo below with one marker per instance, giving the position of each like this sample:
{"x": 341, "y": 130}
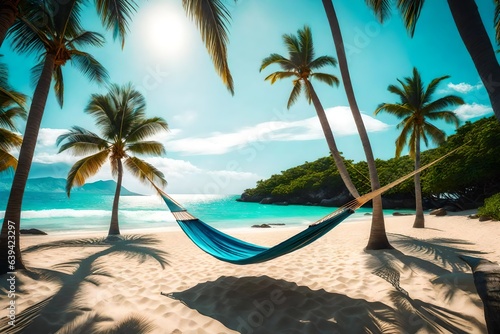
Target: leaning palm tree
{"x": 12, "y": 106}
{"x": 416, "y": 109}
{"x": 120, "y": 116}
{"x": 211, "y": 16}
{"x": 471, "y": 29}
{"x": 58, "y": 40}
{"x": 301, "y": 65}
{"x": 378, "y": 237}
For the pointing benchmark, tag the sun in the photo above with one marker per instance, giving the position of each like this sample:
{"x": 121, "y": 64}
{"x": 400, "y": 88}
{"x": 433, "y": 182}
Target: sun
{"x": 164, "y": 31}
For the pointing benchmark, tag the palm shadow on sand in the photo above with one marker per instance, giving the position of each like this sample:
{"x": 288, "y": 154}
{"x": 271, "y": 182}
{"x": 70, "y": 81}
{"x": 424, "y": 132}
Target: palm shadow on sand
{"x": 264, "y": 305}
{"x": 64, "y": 308}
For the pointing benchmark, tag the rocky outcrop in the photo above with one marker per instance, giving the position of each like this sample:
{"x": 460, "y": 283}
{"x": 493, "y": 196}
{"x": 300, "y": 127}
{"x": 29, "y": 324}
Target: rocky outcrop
{"x": 32, "y": 231}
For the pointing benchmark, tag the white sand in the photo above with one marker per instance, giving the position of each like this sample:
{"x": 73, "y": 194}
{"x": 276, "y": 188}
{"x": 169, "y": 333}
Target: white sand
{"x": 327, "y": 287}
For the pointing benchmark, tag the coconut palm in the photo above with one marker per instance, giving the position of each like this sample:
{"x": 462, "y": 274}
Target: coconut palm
{"x": 60, "y": 39}
{"x": 300, "y": 65}
{"x": 12, "y": 105}
{"x": 378, "y": 237}
{"x": 120, "y": 117}
{"x": 211, "y": 16}
{"x": 416, "y": 109}
{"x": 471, "y": 29}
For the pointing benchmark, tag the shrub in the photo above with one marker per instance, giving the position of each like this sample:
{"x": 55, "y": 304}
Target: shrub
{"x": 491, "y": 207}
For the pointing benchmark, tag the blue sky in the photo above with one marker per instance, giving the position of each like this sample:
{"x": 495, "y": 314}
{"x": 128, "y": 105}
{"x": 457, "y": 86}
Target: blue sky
{"x": 220, "y": 143}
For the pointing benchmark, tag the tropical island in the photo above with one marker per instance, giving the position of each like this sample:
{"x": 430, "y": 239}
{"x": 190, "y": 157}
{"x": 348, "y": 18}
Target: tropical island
{"x": 462, "y": 182}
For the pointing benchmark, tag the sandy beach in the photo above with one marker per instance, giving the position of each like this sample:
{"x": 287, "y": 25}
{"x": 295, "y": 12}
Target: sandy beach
{"x": 162, "y": 283}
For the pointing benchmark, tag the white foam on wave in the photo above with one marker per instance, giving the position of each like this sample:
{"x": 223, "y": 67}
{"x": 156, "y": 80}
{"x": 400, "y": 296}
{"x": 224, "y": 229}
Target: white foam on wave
{"x": 140, "y": 215}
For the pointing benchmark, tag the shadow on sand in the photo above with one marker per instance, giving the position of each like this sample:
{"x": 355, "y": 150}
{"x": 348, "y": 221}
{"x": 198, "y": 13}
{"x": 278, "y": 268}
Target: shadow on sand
{"x": 64, "y": 312}
{"x": 261, "y": 305}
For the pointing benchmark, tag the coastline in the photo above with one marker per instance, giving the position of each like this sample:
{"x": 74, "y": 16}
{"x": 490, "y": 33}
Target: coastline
{"x": 330, "y": 285}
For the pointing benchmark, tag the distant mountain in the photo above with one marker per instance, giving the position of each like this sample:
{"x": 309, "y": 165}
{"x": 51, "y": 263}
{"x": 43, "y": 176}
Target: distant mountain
{"x": 56, "y": 185}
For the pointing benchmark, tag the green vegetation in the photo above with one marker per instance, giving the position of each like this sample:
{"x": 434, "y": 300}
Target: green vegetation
{"x": 491, "y": 207}
{"x": 465, "y": 179}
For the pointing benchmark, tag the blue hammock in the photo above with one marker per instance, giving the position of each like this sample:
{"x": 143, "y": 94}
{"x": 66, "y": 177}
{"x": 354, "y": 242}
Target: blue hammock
{"x": 229, "y": 249}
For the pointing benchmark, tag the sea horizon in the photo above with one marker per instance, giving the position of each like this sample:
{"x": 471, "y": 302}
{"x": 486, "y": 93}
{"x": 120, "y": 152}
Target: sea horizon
{"x": 56, "y": 213}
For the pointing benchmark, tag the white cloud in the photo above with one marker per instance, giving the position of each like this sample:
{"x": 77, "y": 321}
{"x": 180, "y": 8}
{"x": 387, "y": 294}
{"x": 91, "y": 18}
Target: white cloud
{"x": 468, "y": 111}
{"x": 463, "y": 87}
{"x": 47, "y": 137}
{"x": 340, "y": 119}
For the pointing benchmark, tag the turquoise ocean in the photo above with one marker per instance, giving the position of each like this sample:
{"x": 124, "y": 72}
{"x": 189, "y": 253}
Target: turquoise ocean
{"x": 54, "y": 212}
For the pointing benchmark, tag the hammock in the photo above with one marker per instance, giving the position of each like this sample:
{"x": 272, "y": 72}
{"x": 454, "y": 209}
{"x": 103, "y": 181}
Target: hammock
{"x": 229, "y": 249}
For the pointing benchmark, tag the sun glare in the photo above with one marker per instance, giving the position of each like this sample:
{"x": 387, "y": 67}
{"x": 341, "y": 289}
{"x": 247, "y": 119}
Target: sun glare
{"x": 164, "y": 31}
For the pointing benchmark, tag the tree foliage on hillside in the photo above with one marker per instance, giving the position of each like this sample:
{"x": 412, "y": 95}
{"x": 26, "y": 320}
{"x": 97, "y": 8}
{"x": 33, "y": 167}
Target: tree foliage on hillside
{"x": 467, "y": 177}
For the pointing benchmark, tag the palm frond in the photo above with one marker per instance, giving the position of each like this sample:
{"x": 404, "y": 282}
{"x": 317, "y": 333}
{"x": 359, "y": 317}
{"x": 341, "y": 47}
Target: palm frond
{"x": 9, "y": 140}
{"x": 147, "y": 148}
{"x": 294, "y": 95}
{"x": 410, "y": 10}
{"x": 89, "y": 66}
{"x": 59, "y": 85}
{"x": 115, "y": 16}
{"x": 273, "y": 77}
{"x": 441, "y": 103}
{"x": 431, "y": 88}
{"x": 81, "y": 142}
{"x": 87, "y": 38}
{"x": 145, "y": 172}
{"x": 103, "y": 109}
{"x": 329, "y": 79}
{"x": 403, "y": 137}
{"x": 145, "y": 128}
{"x": 212, "y": 19}
{"x": 7, "y": 117}
{"x": 34, "y": 28}
{"x": 7, "y": 160}
{"x": 275, "y": 58}
{"x": 322, "y": 62}
{"x": 448, "y": 116}
{"x": 295, "y": 53}
{"x": 306, "y": 44}
{"x": 381, "y": 8}
{"x": 437, "y": 135}
{"x": 398, "y": 110}
{"x": 85, "y": 168}
{"x": 36, "y": 72}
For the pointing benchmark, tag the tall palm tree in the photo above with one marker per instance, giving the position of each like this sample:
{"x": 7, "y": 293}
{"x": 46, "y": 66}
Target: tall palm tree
{"x": 12, "y": 106}
{"x": 471, "y": 29}
{"x": 300, "y": 65}
{"x": 378, "y": 237}
{"x": 211, "y": 16}
{"x": 416, "y": 109}
{"x": 57, "y": 41}
{"x": 120, "y": 116}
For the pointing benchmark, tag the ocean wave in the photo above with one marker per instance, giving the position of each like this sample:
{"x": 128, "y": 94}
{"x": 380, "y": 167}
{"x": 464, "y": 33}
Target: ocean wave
{"x": 139, "y": 215}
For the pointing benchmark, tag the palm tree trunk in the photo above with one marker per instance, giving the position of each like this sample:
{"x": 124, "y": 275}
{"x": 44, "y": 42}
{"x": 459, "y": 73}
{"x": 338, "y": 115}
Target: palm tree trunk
{"x": 419, "y": 210}
{"x": 14, "y": 204}
{"x": 8, "y": 13}
{"x": 476, "y": 40}
{"x": 378, "y": 238}
{"x": 114, "y": 228}
{"x": 339, "y": 162}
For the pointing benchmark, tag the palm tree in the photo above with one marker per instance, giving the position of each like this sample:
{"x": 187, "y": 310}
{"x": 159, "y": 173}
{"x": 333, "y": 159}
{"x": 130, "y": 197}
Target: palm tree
{"x": 378, "y": 237}
{"x": 471, "y": 29}
{"x": 120, "y": 116}
{"x": 12, "y": 105}
{"x": 211, "y": 17}
{"x": 416, "y": 109}
{"x": 300, "y": 65}
{"x": 57, "y": 41}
